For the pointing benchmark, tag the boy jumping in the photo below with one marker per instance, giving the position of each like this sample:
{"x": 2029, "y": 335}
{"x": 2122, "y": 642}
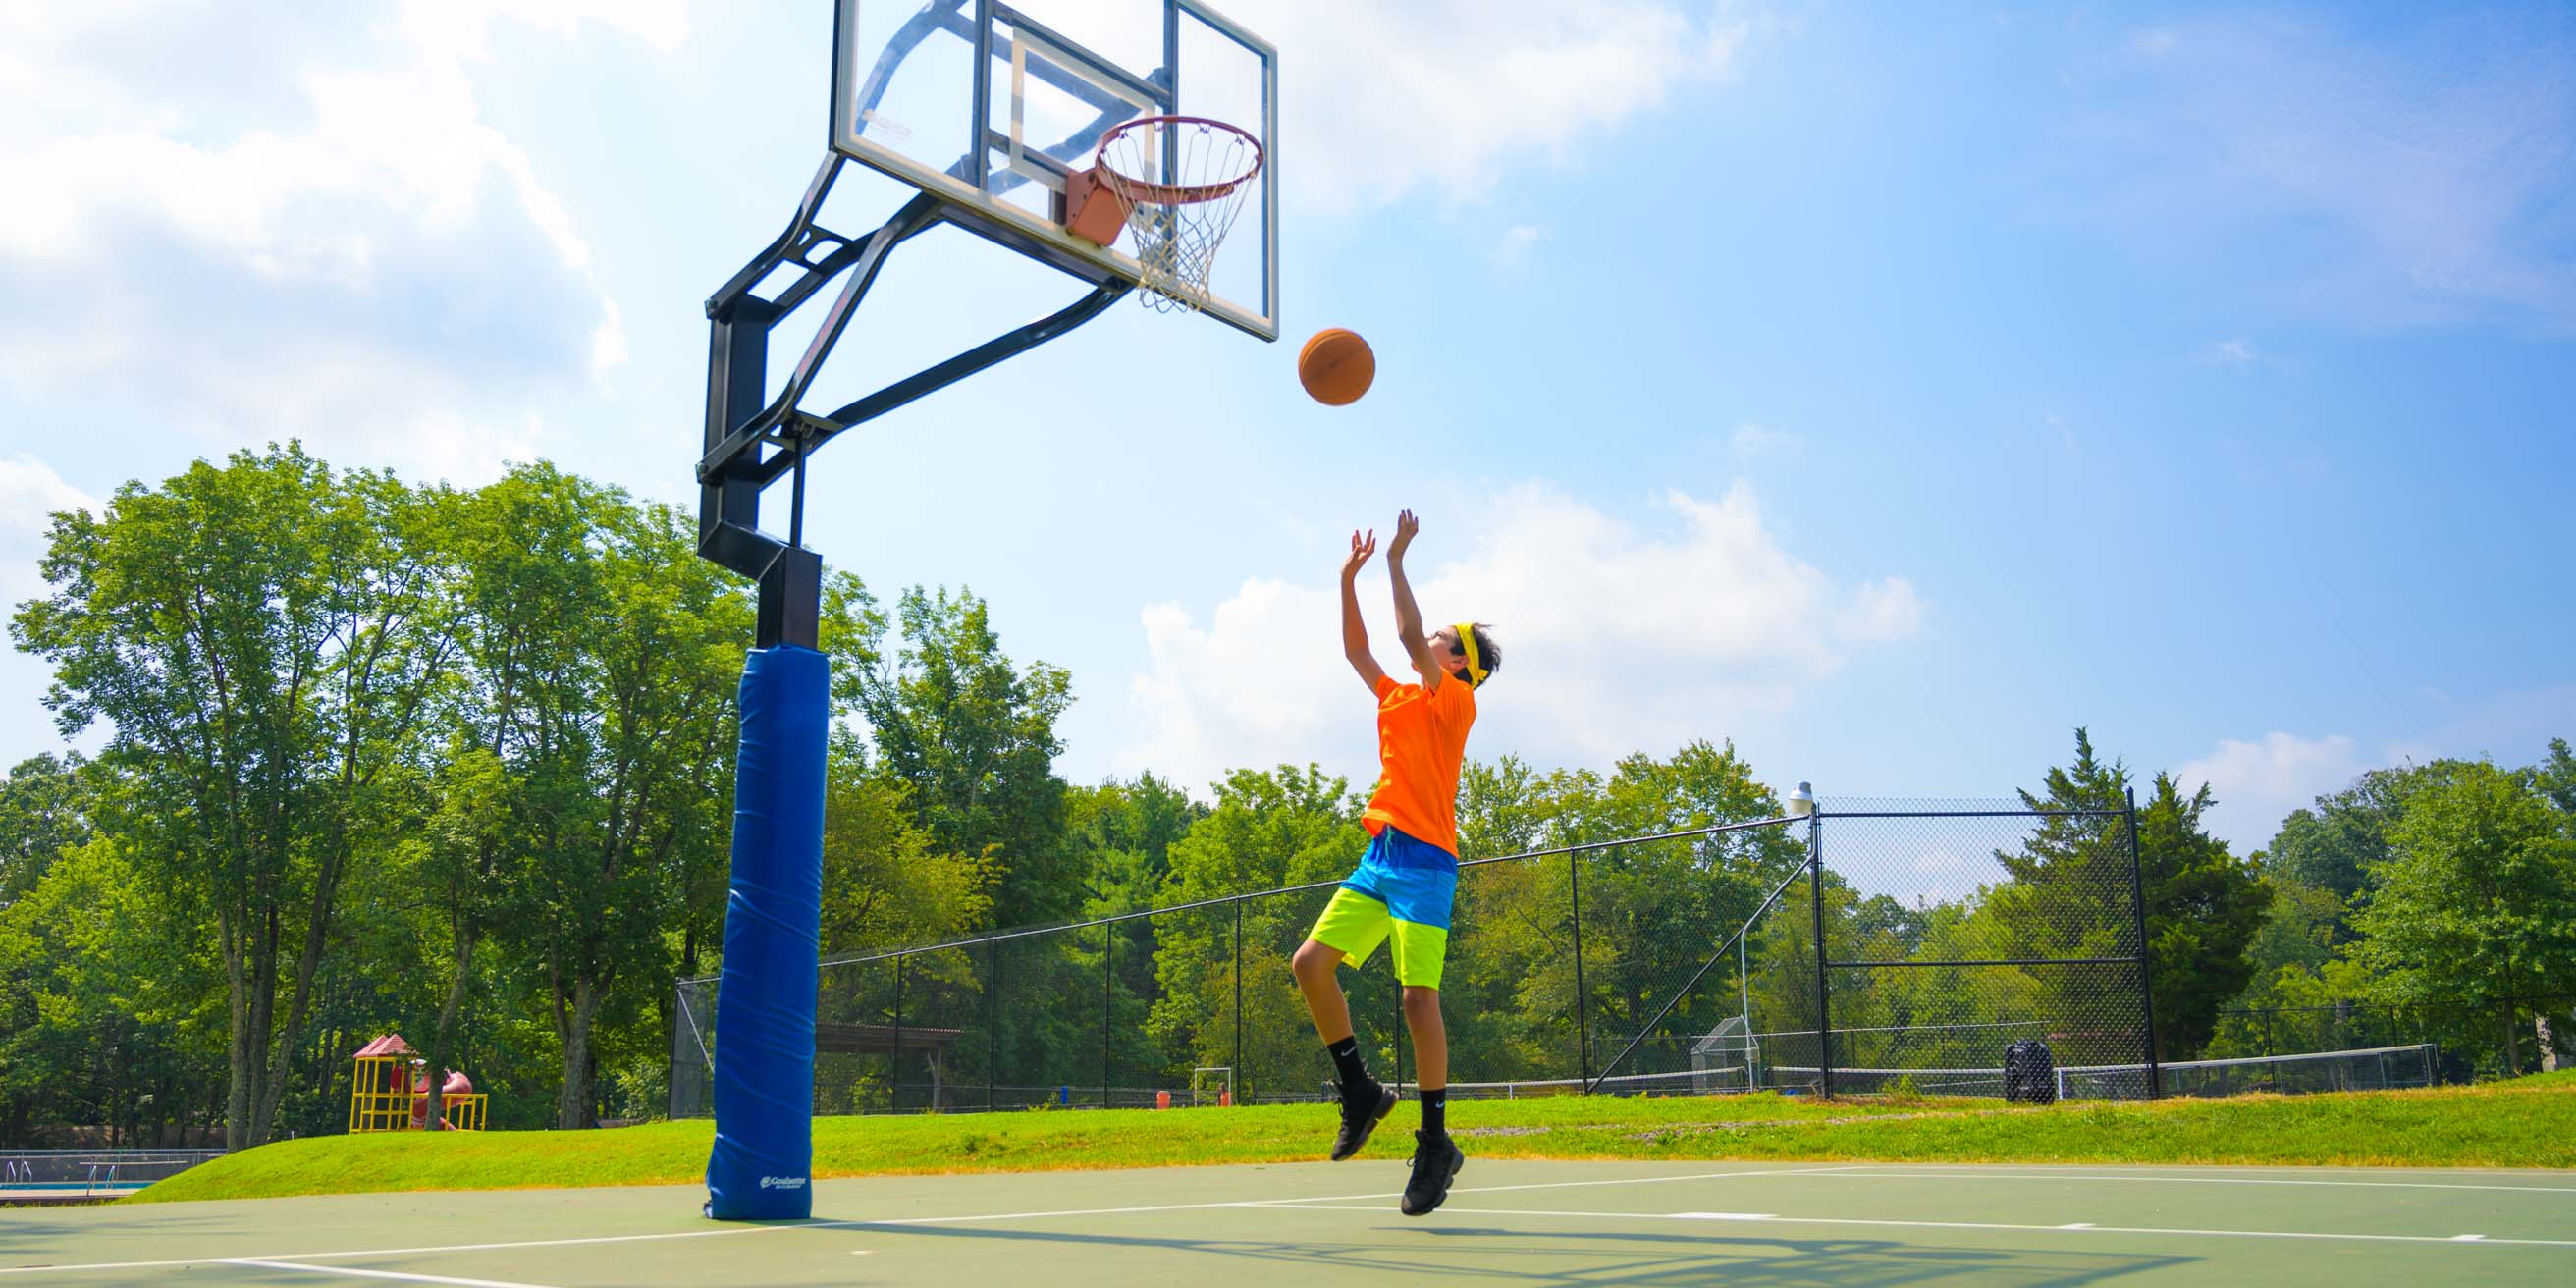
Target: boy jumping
{"x": 1405, "y": 882}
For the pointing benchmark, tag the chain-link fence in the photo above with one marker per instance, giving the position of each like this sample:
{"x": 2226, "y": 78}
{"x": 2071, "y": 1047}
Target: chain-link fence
{"x": 29, "y": 1176}
{"x": 1949, "y": 931}
{"x": 2469, "y": 1041}
{"x": 1686, "y": 962}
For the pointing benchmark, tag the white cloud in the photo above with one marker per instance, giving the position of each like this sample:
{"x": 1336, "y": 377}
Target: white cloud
{"x": 2509, "y": 727}
{"x": 1941, "y": 875}
{"x": 608, "y": 343}
{"x": 1442, "y": 94}
{"x": 327, "y": 240}
{"x": 2258, "y": 783}
{"x": 2232, "y": 353}
{"x": 2420, "y": 181}
{"x": 1518, "y": 241}
{"x": 1886, "y": 609}
{"x": 2065, "y": 434}
{"x": 1750, "y": 440}
{"x": 1615, "y": 638}
{"x": 30, "y": 494}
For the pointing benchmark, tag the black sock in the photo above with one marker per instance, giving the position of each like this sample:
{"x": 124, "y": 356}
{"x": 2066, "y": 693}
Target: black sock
{"x": 1347, "y": 1064}
{"x": 1435, "y": 1110}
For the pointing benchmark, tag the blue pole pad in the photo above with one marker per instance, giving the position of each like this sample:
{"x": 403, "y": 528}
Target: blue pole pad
{"x": 763, "y": 1162}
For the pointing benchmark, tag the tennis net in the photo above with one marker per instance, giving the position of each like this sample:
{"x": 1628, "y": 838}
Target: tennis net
{"x": 2368, "y": 1069}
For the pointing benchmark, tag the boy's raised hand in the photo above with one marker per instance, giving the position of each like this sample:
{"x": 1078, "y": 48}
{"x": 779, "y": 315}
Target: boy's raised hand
{"x": 1361, "y": 549}
{"x": 1405, "y": 528}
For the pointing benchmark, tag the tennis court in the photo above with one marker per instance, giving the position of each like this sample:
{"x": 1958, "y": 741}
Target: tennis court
{"x": 1518, "y": 1222}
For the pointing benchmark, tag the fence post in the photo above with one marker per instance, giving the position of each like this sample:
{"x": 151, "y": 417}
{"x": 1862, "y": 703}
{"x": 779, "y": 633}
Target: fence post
{"x": 992, "y": 1018}
{"x": 2146, "y": 964}
{"x": 1108, "y": 944}
{"x": 1396, "y": 1039}
{"x": 894, "y": 1051}
{"x": 2512, "y": 1043}
{"x": 1582, "y": 1019}
{"x": 1816, "y": 912}
{"x": 1241, "y": 1081}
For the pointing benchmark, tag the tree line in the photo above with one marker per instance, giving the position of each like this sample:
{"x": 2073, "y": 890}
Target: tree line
{"x": 457, "y": 762}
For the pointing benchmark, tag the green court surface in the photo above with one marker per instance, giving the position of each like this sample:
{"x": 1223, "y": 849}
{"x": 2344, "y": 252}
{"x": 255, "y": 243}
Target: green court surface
{"x": 1507, "y": 1222}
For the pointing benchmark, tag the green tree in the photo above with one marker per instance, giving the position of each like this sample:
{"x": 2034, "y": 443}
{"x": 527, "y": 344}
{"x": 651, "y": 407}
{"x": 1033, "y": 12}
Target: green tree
{"x": 1268, "y": 828}
{"x": 263, "y": 639}
{"x": 529, "y": 589}
{"x": 2204, "y": 908}
{"x": 107, "y": 1016}
{"x": 631, "y": 769}
{"x": 884, "y": 884}
{"x": 2556, "y": 779}
{"x": 1653, "y": 910}
{"x": 974, "y": 738}
{"x": 2476, "y": 902}
{"x": 42, "y": 813}
{"x": 1122, "y": 834}
{"x": 2072, "y": 887}
{"x": 2333, "y": 845}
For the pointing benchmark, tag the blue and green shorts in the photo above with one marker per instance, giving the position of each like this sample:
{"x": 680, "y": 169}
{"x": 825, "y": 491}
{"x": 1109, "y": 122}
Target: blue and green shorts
{"x": 1403, "y": 889}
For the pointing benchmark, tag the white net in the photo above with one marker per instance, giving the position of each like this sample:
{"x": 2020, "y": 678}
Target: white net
{"x": 2369, "y": 1069}
{"x": 1184, "y": 181}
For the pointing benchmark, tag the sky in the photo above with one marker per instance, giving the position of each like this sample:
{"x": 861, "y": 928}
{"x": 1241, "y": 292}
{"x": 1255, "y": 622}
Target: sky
{"x": 1887, "y": 389}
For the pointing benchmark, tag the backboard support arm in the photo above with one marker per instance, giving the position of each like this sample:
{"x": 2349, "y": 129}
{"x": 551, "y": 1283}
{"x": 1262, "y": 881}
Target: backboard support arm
{"x": 751, "y": 439}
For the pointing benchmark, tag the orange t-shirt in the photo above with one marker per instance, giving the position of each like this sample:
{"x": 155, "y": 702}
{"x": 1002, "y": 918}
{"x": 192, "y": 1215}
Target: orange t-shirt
{"x": 1421, "y": 740}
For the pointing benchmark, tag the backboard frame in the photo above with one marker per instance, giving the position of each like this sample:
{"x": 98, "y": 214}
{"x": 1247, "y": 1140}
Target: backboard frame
{"x": 973, "y": 189}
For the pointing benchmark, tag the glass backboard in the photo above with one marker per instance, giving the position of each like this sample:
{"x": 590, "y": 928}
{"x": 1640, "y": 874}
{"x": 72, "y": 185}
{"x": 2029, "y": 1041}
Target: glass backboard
{"x": 989, "y": 106}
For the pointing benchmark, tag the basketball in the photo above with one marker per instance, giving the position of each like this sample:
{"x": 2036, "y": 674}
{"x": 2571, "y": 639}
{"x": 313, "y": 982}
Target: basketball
{"x": 1336, "y": 366}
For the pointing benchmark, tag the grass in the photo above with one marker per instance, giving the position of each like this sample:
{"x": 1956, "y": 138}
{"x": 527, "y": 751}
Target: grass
{"x": 2528, "y": 1122}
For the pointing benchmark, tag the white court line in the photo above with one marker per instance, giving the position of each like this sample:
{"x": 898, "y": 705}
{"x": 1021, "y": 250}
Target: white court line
{"x": 1321, "y": 1202}
{"x": 393, "y": 1252}
{"x": 352, "y": 1273}
{"x": 1867, "y": 1172}
{"x": 1293, "y": 1202}
{"x": 863, "y": 1224}
{"x": 2482, "y": 1240}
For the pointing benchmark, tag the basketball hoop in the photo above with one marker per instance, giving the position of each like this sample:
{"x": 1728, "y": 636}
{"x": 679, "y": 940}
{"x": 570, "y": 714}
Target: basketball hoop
{"x": 1179, "y": 182}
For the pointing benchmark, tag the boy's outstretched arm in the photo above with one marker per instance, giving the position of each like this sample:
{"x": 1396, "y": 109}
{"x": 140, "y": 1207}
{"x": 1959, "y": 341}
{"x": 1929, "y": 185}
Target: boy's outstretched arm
{"x": 1355, "y": 645}
{"x": 1408, "y": 615}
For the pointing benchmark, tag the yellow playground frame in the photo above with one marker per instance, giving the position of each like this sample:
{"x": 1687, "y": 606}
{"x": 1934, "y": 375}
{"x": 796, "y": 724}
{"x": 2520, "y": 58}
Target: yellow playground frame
{"x": 382, "y": 1094}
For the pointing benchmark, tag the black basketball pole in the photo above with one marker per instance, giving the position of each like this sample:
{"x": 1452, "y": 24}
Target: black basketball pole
{"x": 2146, "y": 962}
{"x": 1824, "y": 1003}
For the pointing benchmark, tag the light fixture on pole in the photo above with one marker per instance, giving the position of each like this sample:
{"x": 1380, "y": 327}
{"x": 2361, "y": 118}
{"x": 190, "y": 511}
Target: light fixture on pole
{"x": 1802, "y": 802}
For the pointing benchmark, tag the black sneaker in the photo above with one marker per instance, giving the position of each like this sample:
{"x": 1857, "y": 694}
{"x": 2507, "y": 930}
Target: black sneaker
{"x": 1360, "y": 1116}
{"x": 1436, "y": 1160}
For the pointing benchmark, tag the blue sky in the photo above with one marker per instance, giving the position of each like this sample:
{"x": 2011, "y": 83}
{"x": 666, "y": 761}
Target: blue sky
{"x": 1886, "y": 388}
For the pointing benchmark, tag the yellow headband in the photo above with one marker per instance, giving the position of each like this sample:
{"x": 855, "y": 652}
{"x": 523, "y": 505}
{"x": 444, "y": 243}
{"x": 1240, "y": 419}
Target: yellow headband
{"x": 1467, "y": 643}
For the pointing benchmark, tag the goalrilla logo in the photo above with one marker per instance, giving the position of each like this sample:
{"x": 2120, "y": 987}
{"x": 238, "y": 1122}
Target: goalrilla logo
{"x": 782, "y": 1182}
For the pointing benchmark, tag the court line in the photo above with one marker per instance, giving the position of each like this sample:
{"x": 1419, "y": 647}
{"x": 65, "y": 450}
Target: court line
{"x": 1319, "y": 1198}
{"x": 394, "y": 1252}
{"x": 1323, "y": 1202}
{"x": 2186, "y": 1232}
{"x": 354, "y": 1273}
{"x": 1872, "y": 1172}
{"x": 852, "y": 1224}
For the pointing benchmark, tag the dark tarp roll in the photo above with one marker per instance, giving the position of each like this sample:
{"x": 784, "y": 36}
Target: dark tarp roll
{"x": 763, "y": 1162}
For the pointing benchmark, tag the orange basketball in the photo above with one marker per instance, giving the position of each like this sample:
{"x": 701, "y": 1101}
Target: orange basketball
{"x": 1336, "y": 366}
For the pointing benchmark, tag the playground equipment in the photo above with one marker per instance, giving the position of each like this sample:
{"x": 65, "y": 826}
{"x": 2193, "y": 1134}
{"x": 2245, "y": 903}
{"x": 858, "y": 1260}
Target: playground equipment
{"x": 391, "y": 1092}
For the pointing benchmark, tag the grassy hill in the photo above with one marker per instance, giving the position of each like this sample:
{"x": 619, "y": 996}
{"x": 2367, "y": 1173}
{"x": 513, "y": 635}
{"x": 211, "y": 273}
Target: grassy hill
{"x": 2528, "y": 1122}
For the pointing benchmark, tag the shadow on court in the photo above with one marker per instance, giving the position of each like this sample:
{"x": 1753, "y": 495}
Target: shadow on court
{"x": 1586, "y": 1257}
